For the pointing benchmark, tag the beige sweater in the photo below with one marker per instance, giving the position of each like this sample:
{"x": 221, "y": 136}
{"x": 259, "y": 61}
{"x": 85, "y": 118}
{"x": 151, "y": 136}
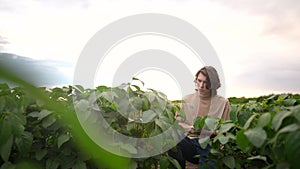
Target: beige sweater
{"x": 196, "y": 105}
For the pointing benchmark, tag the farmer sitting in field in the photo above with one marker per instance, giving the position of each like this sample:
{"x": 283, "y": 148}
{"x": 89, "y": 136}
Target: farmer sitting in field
{"x": 204, "y": 101}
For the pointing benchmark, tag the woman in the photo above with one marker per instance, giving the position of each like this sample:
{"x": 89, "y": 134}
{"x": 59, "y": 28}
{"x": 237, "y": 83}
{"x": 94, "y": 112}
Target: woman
{"x": 205, "y": 101}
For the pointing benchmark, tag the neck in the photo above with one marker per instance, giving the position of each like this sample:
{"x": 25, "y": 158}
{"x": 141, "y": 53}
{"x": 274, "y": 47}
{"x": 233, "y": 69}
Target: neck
{"x": 205, "y": 95}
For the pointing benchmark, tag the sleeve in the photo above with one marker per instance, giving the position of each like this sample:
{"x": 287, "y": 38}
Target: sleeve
{"x": 226, "y": 112}
{"x": 182, "y": 120}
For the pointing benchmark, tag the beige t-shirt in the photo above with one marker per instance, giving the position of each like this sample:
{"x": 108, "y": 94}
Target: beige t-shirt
{"x": 194, "y": 106}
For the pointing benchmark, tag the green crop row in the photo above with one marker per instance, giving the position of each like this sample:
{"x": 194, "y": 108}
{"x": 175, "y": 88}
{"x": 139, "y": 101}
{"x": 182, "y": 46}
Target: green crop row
{"x": 40, "y": 128}
{"x": 262, "y": 132}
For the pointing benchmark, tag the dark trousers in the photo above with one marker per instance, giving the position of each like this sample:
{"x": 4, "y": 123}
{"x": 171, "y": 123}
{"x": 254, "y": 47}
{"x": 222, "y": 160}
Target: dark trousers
{"x": 187, "y": 149}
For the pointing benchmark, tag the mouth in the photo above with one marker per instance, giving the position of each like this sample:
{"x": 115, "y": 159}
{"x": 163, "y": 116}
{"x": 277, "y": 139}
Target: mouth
{"x": 201, "y": 90}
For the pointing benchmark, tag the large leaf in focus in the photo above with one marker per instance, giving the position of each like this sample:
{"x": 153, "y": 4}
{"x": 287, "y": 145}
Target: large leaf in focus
{"x": 226, "y": 127}
{"x": 264, "y": 120}
{"x": 211, "y": 123}
{"x": 249, "y": 121}
{"x": 243, "y": 116}
{"x": 256, "y": 136}
{"x": 292, "y": 149}
{"x": 289, "y": 102}
{"x": 224, "y": 138}
{"x": 296, "y": 112}
{"x": 278, "y": 118}
{"x": 241, "y": 140}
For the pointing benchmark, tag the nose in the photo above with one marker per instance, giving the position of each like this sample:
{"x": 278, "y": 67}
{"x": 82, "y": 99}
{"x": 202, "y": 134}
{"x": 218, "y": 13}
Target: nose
{"x": 201, "y": 85}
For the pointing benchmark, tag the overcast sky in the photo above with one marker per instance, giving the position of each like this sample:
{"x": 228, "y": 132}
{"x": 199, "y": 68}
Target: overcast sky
{"x": 257, "y": 41}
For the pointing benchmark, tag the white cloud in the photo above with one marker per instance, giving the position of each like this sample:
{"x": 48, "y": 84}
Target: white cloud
{"x": 250, "y": 37}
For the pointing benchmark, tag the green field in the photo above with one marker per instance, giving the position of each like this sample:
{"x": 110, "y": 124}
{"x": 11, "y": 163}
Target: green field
{"x": 39, "y": 128}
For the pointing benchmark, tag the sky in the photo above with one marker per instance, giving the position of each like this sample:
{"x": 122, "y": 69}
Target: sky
{"x": 256, "y": 41}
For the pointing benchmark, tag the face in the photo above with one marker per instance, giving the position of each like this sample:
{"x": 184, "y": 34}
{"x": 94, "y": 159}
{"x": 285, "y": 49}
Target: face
{"x": 201, "y": 83}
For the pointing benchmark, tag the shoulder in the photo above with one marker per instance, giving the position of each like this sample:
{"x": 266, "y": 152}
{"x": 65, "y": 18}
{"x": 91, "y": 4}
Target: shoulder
{"x": 220, "y": 99}
{"x": 189, "y": 96}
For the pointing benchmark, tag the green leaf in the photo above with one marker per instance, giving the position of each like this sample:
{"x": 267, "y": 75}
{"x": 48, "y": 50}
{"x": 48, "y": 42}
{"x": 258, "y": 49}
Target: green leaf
{"x": 296, "y": 112}
{"x": 11, "y": 103}
{"x": 256, "y": 136}
{"x": 4, "y": 86}
{"x": 289, "y": 102}
{"x": 278, "y": 118}
{"x": 211, "y": 123}
{"x": 5, "y": 131}
{"x": 123, "y": 105}
{"x": 79, "y": 165}
{"x": 134, "y": 78}
{"x": 68, "y": 162}
{"x": 146, "y": 105}
{"x": 226, "y": 127}
{"x": 44, "y": 113}
{"x": 24, "y": 143}
{"x": 164, "y": 162}
{"x": 34, "y": 114}
{"x": 48, "y": 121}
{"x": 62, "y": 139}
{"x": 243, "y": 116}
{"x": 174, "y": 162}
{"x": 40, "y": 154}
{"x": 229, "y": 161}
{"x": 148, "y": 116}
{"x": 289, "y": 128}
{"x": 224, "y": 138}
{"x": 18, "y": 120}
{"x": 160, "y": 105}
{"x": 52, "y": 164}
{"x": 292, "y": 149}
{"x": 162, "y": 124}
{"x": 199, "y": 122}
{"x": 109, "y": 96}
{"x": 136, "y": 87}
{"x": 8, "y": 165}
{"x": 2, "y": 104}
{"x": 136, "y": 102}
{"x": 248, "y": 122}
{"x": 204, "y": 142}
{"x": 241, "y": 140}
{"x": 101, "y": 88}
{"x": 27, "y": 164}
{"x": 5, "y": 148}
{"x": 264, "y": 120}
{"x": 150, "y": 96}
